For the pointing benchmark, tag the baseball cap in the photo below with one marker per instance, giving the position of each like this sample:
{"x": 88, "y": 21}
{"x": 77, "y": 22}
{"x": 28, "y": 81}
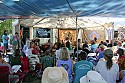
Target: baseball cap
{"x": 108, "y": 52}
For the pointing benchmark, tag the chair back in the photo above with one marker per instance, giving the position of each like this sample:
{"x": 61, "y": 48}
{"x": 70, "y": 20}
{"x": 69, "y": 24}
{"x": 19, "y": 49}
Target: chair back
{"x": 4, "y": 74}
{"x": 25, "y": 63}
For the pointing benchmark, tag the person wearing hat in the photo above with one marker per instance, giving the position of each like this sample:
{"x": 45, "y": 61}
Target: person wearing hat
{"x": 92, "y": 77}
{"x": 101, "y": 55}
{"x": 107, "y": 68}
{"x": 55, "y": 75}
{"x": 82, "y": 67}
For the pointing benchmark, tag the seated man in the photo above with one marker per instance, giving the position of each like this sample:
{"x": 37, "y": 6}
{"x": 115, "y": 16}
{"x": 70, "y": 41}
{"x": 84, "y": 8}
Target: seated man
{"x": 82, "y": 67}
{"x": 15, "y": 59}
{"x": 47, "y": 60}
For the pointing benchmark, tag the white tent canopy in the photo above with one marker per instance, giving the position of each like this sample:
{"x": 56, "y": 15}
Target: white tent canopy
{"x": 66, "y": 22}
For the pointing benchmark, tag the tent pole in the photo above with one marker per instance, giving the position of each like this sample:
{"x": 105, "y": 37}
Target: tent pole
{"x": 77, "y": 36}
{"x": 112, "y": 33}
{"x": 51, "y": 36}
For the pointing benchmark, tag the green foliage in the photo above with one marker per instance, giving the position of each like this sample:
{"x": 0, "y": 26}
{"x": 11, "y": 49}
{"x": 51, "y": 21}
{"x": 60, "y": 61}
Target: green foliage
{"x": 6, "y": 25}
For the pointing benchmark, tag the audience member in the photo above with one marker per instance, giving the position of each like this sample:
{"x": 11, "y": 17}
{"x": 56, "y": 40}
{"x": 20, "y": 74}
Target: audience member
{"x": 47, "y": 60}
{"x": 93, "y": 46}
{"x": 59, "y": 46}
{"x": 55, "y": 75}
{"x": 66, "y": 62}
{"x": 92, "y": 77}
{"x": 82, "y": 67}
{"x": 15, "y": 41}
{"x": 108, "y": 69}
{"x": 5, "y": 39}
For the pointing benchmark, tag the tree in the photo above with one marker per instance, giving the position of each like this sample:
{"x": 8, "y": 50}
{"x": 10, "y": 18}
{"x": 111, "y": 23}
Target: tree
{"x": 5, "y": 25}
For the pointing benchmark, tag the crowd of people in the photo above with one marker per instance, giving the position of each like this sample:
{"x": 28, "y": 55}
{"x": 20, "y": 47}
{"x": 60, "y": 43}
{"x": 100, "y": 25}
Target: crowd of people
{"x": 67, "y": 63}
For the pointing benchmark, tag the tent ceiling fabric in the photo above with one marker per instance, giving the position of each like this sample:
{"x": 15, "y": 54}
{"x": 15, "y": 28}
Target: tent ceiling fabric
{"x": 40, "y": 8}
{"x": 64, "y": 22}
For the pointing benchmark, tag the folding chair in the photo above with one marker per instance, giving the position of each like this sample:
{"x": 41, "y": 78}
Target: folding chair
{"x": 25, "y": 66}
{"x": 25, "y": 63}
{"x": 35, "y": 66}
{"x": 33, "y": 61}
{"x": 4, "y": 74}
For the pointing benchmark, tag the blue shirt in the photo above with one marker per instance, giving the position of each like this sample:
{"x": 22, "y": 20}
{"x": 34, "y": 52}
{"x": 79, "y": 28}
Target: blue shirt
{"x": 14, "y": 40}
{"x": 81, "y": 68}
{"x": 93, "y": 47}
{"x": 4, "y": 39}
{"x": 101, "y": 55}
{"x": 67, "y": 65}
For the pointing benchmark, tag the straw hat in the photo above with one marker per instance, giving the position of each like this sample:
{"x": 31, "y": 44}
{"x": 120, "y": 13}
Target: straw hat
{"x": 55, "y": 75}
{"x": 102, "y": 46}
{"x": 92, "y": 77}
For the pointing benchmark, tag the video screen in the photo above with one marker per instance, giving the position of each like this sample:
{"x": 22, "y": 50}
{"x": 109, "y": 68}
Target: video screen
{"x": 43, "y": 32}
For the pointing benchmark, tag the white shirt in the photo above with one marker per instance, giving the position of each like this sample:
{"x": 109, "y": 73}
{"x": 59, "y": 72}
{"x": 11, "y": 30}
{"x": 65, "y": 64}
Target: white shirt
{"x": 28, "y": 52}
{"x": 109, "y": 75}
{"x": 57, "y": 53}
{"x": 25, "y": 47}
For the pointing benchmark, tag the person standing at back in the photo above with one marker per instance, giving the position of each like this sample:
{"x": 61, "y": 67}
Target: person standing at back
{"x": 93, "y": 46}
{"x": 79, "y": 43}
{"x": 5, "y": 39}
{"x": 15, "y": 41}
{"x": 82, "y": 67}
{"x": 108, "y": 70}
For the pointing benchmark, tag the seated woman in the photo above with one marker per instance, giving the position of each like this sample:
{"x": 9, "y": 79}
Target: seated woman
{"x": 66, "y": 62}
{"x": 108, "y": 69}
{"x": 34, "y": 48}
